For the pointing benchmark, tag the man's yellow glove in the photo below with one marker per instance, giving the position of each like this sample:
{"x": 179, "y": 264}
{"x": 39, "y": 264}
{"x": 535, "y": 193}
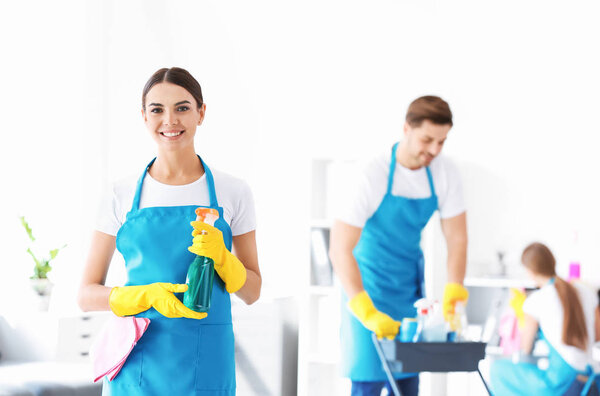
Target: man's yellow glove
{"x": 516, "y": 303}
{"x": 453, "y": 292}
{"x": 381, "y": 324}
{"x": 210, "y": 244}
{"x": 131, "y": 300}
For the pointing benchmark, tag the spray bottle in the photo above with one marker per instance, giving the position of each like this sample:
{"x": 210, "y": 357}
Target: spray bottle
{"x": 435, "y": 329}
{"x": 201, "y": 271}
{"x": 423, "y": 307}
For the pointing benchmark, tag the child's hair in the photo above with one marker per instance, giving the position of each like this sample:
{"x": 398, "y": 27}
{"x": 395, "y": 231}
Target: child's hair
{"x": 539, "y": 259}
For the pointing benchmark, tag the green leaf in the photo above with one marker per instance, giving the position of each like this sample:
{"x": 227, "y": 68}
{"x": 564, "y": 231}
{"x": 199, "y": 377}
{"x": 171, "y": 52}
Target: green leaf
{"x": 41, "y": 269}
{"x": 53, "y": 253}
{"x": 27, "y": 228}
{"x": 37, "y": 262}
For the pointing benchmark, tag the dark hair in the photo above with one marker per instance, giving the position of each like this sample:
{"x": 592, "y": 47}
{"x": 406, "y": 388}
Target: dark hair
{"x": 177, "y": 76}
{"x": 539, "y": 259}
{"x": 431, "y": 108}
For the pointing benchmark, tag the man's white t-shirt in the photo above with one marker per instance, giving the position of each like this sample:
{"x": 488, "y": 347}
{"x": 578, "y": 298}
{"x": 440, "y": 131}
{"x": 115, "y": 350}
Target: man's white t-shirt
{"x": 544, "y": 306}
{"x": 367, "y": 191}
{"x": 233, "y": 195}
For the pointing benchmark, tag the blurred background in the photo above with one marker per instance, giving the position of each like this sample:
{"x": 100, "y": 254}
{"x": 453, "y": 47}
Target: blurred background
{"x": 297, "y": 94}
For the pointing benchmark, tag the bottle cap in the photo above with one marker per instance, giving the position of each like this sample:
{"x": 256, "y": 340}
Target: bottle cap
{"x": 207, "y": 215}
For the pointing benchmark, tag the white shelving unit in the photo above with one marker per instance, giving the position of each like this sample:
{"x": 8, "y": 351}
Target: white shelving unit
{"x": 319, "y": 330}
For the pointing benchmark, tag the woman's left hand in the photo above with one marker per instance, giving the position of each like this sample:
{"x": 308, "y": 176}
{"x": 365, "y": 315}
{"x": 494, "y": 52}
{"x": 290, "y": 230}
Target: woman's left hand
{"x": 208, "y": 242}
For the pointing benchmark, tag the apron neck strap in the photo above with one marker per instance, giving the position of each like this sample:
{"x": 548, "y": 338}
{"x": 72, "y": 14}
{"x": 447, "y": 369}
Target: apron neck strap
{"x": 430, "y": 179}
{"x": 392, "y": 168}
{"x": 210, "y": 182}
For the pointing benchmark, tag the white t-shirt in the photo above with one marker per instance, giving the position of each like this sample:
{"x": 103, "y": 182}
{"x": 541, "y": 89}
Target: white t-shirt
{"x": 544, "y": 305}
{"x": 366, "y": 194}
{"x": 233, "y": 195}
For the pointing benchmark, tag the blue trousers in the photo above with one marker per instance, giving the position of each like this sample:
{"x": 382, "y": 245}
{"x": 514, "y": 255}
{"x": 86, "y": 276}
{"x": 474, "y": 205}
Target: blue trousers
{"x": 408, "y": 387}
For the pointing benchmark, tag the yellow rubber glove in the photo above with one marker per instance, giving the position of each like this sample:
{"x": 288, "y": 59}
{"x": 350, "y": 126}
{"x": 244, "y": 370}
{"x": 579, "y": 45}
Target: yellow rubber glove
{"x": 516, "y": 303}
{"x": 131, "y": 300}
{"x": 381, "y": 324}
{"x": 210, "y": 244}
{"x": 453, "y": 292}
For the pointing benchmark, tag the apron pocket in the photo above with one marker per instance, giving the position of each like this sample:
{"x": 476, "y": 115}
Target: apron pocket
{"x": 216, "y": 362}
{"x": 131, "y": 372}
{"x": 170, "y": 352}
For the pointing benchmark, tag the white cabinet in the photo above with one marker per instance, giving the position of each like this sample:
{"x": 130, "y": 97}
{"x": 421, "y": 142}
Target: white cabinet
{"x": 266, "y": 348}
{"x": 47, "y": 353}
{"x": 44, "y": 336}
{"x": 76, "y": 334}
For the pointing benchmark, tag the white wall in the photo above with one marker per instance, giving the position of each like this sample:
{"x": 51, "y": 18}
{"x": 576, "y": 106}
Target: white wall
{"x": 43, "y": 130}
{"x": 288, "y": 82}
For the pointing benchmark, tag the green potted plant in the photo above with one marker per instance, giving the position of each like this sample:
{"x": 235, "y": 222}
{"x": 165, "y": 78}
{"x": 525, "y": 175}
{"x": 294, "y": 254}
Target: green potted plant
{"x": 39, "y": 280}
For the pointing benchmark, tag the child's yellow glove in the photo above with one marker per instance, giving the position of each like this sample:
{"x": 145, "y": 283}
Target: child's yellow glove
{"x": 381, "y": 324}
{"x": 131, "y": 300}
{"x": 210, "y": 244}
{"x": 453, "y": 292}
{"x": 517, "y": 299}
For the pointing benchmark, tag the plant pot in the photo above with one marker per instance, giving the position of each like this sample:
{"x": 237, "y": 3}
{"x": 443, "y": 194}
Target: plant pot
{"x": 42, "y": 289}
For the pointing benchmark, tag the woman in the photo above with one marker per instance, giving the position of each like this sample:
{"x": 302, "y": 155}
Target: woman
{"x": 147, "y": 220}
{"x": 564, "y": 315}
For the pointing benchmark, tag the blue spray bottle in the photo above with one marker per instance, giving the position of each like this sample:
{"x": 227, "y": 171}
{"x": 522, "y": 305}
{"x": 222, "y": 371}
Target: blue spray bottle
{"x": 201, "y": 271}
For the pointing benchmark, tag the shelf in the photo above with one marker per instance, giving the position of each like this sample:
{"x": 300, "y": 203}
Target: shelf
{"x": 321, "y": 223}
{"x": 323, "y": 290}
{"x": 500, "y": 282}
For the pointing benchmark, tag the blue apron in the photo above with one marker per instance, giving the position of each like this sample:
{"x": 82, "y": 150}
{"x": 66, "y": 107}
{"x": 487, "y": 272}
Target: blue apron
{"x": 508, "y": 378}
{"x": 176, "y": 356}
{"x": 391, "y": 265}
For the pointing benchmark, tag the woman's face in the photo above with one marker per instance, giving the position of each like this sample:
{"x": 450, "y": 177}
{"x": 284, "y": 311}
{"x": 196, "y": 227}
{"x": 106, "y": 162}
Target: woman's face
{"x": 172, "y": 115}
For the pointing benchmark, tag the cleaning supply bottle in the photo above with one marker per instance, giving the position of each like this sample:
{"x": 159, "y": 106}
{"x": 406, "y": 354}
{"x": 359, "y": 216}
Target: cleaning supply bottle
{"x": 574, "y": 264}
{"x": 435, "y": 329}
{"x": 423, "y": 307}
{"x": 201, "y": 271}
{"x": 459, "y": 321}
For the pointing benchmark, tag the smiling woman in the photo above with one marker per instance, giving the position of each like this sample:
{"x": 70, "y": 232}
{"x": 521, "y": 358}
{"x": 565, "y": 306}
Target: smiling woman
{"x": 148, "y": 221}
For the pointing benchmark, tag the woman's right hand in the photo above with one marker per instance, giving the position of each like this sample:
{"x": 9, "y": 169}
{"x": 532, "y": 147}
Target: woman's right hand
{"x": 131, "y": 300}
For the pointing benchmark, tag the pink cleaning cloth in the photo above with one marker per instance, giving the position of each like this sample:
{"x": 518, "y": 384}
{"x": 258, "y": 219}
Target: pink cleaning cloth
{"x": 114, "y": 344}
{"x": 510, "y": 336}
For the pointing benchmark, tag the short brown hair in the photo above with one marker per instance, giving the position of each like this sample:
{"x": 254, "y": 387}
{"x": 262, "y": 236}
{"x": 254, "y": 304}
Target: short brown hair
{"x": 177, "y": 76}
{"x": 431, "y": 108}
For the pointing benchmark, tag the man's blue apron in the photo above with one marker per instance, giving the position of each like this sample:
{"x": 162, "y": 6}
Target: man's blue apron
{"x": 508, "y": 378}
{"x": 175, "y": 356}
{"x": 391, "y": 265}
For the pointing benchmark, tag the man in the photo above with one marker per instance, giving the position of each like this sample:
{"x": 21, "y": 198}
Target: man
{"x": 375, "y": 241}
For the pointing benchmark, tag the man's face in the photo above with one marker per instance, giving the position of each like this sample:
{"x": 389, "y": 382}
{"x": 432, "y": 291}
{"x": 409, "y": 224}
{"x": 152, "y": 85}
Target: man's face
{"x": 425, "y": 142}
